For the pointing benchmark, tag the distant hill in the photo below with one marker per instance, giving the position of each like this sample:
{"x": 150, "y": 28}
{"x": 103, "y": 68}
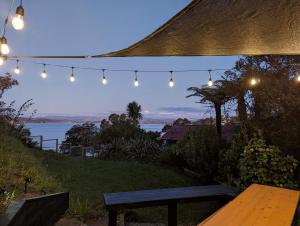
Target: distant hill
{"x": 82, "y": 119}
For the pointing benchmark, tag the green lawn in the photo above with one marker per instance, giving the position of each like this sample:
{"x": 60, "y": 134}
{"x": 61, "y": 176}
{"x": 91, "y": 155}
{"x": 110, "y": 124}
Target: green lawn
{"x": 88, "y": 179}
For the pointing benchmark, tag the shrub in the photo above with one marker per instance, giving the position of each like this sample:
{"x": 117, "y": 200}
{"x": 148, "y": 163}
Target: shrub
{"x": 200, "y": 149}
{"x": 265, "y": 164}
{"x": 142, "y": 148}
{"x": 230, "y": 157}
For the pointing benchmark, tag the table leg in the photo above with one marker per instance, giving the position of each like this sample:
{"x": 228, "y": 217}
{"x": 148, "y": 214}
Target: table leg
{"x": 172, "y": 214}
{"x": 112, "y": 218}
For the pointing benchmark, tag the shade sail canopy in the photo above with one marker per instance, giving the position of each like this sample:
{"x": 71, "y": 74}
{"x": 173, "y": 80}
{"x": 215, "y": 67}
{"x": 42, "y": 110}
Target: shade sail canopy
{"x": 225, "y": 27}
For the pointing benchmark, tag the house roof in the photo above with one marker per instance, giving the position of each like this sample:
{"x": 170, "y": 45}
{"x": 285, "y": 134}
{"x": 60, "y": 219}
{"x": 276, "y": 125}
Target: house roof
{"x": 177, "y": 132}
{"x": 224, "y": 27}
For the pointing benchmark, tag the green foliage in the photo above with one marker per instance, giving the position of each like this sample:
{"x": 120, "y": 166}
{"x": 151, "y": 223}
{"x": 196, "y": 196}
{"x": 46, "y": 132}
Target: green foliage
{"x": 134, "y": 112}
{"x": 142, "y": 148}
{"x": 16, "y": 163}
{"x": 117, "y": 127}
{"x": 200, "y": 149}
{"x": 265, "y": 164}
{"x": 9, "y": 197}
{"x": 83, "y": 134}
{"x": 230, "y": 157}
{"x": 79, "y": 207}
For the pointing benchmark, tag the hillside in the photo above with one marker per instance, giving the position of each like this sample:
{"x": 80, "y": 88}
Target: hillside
{"x": 87, "y": 180}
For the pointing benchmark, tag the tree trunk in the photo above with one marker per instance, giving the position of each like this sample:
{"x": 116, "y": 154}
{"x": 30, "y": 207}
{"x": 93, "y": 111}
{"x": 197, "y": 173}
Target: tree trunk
{"x": 242, "y": 111}
{"x": 218, "y": 120}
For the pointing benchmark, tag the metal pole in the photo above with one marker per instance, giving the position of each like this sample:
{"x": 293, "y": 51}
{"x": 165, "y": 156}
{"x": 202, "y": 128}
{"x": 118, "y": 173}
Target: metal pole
{"x": 41, "y": 142}
{"x": 56, "y": 145}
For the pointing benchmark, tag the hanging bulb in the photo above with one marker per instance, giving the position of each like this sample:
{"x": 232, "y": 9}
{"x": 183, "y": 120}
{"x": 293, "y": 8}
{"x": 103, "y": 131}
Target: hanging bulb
{"x": 171, "y": 82}
{"x": 253, "y": 82}
{"x": 4, "y": 49}
{"x": 136, "y": 81}
{"x": 210, "y": 82}
{"x": 44, "y": 73}
{"x": 72, "y": 77}
{"x": 104, "y": 80}
{"x": 1, "y": 61}
{"x": 17, "y": 70}
{"x": 18, "y": 19}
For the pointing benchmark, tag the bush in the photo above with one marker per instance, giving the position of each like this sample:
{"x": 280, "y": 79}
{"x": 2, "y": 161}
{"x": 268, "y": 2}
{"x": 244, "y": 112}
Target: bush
{"x": 142, "y": 148}
{"x": 200, "y": 149}
{"x": 265, "y": 164}
{"x": 230, "y": 157}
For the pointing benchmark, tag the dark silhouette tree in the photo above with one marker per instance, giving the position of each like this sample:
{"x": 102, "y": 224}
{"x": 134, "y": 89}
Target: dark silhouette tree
{"x": 216, "y": 96}
{"x": 134, "y": 112}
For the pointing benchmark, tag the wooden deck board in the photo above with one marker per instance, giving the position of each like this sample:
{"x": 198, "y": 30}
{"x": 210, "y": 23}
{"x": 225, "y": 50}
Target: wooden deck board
{"x": 258, "y": 205}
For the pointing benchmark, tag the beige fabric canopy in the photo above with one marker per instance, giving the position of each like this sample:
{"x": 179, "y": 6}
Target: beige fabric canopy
{"x": 225, "y": 27}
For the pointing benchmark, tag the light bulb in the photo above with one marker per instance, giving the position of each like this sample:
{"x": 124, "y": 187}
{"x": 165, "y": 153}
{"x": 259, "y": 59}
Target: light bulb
{"x": 136, "y": 82}
{"x": 1, "y": 61}
{"x": 4, "y": 49}
{"x": 171, "y": 83}
{"x": 253, "y": 82}
{"x": 298, "y": 78}
{"x": 17, "y": 70}
{"x": 18, "y": 22}
{"x": 210, "y": 83}
{"x": 72, "y": 78}
{"x": 18, "y": 19}
{"x": 44, "y": 74}
{"x": 104, "y": 80}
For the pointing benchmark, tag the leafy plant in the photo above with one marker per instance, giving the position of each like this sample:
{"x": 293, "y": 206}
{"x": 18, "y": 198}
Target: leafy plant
{"x": 9, "y": 197}
{"x": 200, "y": 149}
{"x": 142, "y": 148}
{"x": 265, "y": 164}
{"x": 79, "y": 207}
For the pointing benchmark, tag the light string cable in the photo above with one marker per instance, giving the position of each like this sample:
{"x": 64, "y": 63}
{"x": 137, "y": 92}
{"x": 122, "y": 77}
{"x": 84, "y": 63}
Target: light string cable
{"x": 120, "y": 70}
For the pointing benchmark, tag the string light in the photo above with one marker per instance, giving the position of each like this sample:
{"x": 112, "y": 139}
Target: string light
{"x": 210, "y": 81}
{"x": 18, "y": 19}
{"x": 253, "y": 82}
{"x": 44, "y": 73}
{"x": 136, "y": 81}
{"x": 298, "y": 77}
{"x": 17, "y": 69}
{"x": 72, "y": 77}
{"x": 2, "y": 60}
{"x": 4, "y": 49}
{"x": 171, "y": 82}
{"x": 104, "y": 80}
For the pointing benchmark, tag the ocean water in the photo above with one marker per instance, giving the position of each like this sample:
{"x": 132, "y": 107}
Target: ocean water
{"x": 58, "y": 130}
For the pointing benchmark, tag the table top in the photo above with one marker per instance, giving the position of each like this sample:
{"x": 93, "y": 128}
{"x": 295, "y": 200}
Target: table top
{"x": 158, "y": 196}
{"x": 258, "y": 205}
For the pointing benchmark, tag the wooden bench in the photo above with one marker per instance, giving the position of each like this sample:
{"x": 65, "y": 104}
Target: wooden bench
{"x": 258, "y": 205}
{"x": 42, "y": 211}
{"x": 115, "y": 202}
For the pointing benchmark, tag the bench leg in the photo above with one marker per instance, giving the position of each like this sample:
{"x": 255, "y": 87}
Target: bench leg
{"x": 172, "y": 214}
{"x": 112, "y": 218}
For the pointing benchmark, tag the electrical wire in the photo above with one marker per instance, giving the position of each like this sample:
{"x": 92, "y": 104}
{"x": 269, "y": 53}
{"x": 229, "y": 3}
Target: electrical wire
{"x": 119, "y": 70}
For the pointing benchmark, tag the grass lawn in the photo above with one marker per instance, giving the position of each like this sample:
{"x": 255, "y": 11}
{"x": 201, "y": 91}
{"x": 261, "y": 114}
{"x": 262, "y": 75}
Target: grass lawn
{"x": 88, "y": 179}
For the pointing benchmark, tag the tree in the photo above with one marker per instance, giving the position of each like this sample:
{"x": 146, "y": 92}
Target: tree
{"x": 10, "y": 117}
{"x": 213, "y": 95}
{"x": 82, "y": 134}
{"x": 134, "y": 112}
{"x": 235, "y": 85}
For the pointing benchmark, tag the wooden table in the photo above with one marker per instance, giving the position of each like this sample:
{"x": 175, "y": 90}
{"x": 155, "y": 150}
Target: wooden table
{"x": 115, "y": 202}
{"x": 258, "y": 205}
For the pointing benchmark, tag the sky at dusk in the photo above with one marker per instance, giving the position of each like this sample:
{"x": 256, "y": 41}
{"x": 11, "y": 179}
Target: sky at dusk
{"x": 89, "y": 27}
